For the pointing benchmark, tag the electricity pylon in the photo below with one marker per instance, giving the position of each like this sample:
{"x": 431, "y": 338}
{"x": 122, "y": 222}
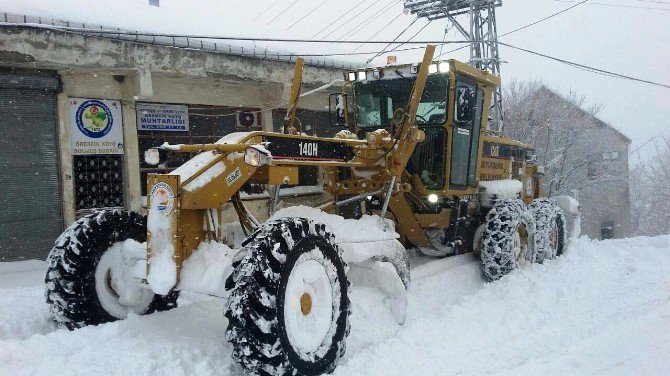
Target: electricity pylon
{"x": 482, "y": 34}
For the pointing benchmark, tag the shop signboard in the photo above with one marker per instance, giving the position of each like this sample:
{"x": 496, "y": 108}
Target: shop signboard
{"x": 162, "y": 117}
{"x": 96, "y": 126}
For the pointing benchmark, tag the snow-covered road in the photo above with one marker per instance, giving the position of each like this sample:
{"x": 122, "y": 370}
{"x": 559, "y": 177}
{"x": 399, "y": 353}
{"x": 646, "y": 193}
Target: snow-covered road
{"x": 602, "y": 309}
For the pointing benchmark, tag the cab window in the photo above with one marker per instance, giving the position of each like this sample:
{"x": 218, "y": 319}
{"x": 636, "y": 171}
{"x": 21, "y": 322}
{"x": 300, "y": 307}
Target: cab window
{"x": 376, "y": 100}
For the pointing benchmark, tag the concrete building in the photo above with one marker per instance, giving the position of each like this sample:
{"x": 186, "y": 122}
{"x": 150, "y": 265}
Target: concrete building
{"x": 78, "y": 109}
{"x": 605, "y": 201}
{"x": 584, "y": 156}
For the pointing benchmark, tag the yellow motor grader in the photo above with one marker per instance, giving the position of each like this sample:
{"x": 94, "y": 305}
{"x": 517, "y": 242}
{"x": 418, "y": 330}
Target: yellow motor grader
{"x": 414, "y": 166}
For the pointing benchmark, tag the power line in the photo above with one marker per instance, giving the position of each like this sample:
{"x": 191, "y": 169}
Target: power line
{"x": 648, "y": 141}
{"x": 213, "y": 37}
{"x": 544, "y": 19}
{"x": 618, "y": 5}
{"x": 266, "y": 9}
{"x": 653, "y": 1}
{"x": 283, "y": 11}
{"x": 578, "y": 65}
{"x": 409, "y": 41}
{"x": 526, "y": 26}
{"x": 307, "y": 14}
{"x": 350, "y": 20}
{"x": 387, "y": 46}
{"x": 380, "y": 30}
{"x": 368, "y": 20}
{"x": 340, "y": 17}
{"x": 446, "y": 30}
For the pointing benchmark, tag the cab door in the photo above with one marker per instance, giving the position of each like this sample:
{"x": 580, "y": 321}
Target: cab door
{"x": 468, "y": 101}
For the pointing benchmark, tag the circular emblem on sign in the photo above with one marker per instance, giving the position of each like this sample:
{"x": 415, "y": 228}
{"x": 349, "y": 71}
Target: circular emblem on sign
{"x": 94, "y": 118}
{"x": 162, "y": 198}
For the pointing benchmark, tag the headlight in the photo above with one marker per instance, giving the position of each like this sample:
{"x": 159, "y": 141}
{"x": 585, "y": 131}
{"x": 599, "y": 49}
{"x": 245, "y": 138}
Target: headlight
{"x": 152, "y": 157}
{"x": 362, "y": 75}
{"x": 432, "y": 198}
{"x": 352, "y": 76}
{"x": 376, "y": 73}
{"x": 432, "y": 68}
{"x": 444, "y": 67}
{"x": 256, "y": 156}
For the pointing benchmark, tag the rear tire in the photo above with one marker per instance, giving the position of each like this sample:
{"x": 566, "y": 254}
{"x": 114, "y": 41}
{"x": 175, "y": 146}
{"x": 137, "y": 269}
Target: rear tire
{"x": 79, "y": 290}
{"x": 507, "y": 240}
{"x": 288, "y": 310}
{"x": 550, "y": 239}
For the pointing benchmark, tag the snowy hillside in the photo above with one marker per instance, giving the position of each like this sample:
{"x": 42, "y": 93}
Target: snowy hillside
{"x": 602, "y": 309}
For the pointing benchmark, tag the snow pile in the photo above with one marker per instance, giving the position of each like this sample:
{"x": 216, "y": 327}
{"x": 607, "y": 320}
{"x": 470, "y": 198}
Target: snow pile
{"x": 193, "y": 165}
{"x": 206, "y": 270}
{"x": 601, "y": 309}
{"x": 499, "y": 189}
{"x": 568, "y": 204}
{"x": 366, "y": 239}
{"x": 367, "y": 229}
{"x": 162, "y": 268}
{"x": 22, "y": 308}
{"x": 206, "y": 177}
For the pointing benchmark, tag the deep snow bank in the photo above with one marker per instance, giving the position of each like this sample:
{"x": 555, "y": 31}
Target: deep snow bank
{"x": 603, "y": 308}
{"x": 600, "y": 309}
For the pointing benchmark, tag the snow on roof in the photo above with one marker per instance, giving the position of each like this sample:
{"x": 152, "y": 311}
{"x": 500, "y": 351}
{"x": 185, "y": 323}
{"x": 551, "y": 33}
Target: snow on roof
{"x": 232, "y": 18}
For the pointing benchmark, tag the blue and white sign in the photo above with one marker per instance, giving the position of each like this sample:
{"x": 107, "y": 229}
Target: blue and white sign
{"x": 95, "y": 126}
{"x": 162, "y": 117}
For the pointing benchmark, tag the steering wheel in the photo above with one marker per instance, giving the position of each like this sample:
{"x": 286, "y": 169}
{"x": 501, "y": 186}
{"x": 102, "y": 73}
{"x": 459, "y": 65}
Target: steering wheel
{"x": 422, "y": 119}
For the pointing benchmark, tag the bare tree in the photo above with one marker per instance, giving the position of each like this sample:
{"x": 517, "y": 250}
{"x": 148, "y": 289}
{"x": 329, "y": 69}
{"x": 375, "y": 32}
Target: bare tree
{"x": 650, "y": 192}
{"x": 559, "y": 128}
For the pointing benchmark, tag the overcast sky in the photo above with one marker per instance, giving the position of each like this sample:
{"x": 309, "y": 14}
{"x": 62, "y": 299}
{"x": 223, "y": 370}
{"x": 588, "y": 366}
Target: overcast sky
{"x": 626, "y": 37}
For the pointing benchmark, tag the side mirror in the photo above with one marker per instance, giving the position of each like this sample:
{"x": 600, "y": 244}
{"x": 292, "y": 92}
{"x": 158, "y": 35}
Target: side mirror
{"x": 465, "y": 104}
{"x": 338, "y": 105}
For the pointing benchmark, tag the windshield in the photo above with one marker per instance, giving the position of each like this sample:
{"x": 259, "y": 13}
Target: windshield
{"x": 376, "y": 100}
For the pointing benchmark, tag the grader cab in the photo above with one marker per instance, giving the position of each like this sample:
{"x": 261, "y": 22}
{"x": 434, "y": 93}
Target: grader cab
{"x": 414, "y": 166}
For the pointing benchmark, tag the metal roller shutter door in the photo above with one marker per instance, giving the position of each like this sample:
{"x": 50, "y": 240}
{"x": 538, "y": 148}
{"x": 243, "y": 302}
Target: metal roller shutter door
{"x": 30, "y": 200}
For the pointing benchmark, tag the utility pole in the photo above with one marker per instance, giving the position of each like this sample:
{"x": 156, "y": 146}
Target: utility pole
{"x": 482, "y": 34}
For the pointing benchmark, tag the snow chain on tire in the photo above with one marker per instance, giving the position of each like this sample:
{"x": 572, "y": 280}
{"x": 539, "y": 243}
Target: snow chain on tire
{"x": 502, "y": 221}
{"x": 257, "y": 328}
{"x": 548, "y": 217}
{"x": 70, "y": 279}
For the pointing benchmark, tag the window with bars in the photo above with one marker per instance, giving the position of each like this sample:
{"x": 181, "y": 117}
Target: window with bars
{"x": 98, "y": 181}
{"x": 207, "y": 124}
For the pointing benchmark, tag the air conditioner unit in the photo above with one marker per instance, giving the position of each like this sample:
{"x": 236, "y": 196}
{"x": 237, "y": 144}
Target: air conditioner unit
{"x": 247, "y": 119}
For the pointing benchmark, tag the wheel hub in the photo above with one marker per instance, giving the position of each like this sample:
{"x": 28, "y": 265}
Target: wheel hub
{"x": 117, "y": 296}
{"x": 305, "y": 304}
{"x": 109, "y": 282}
{"x": 308, "y": 311}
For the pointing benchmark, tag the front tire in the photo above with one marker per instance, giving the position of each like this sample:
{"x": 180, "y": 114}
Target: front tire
{"x": 507, "y": 240}
{"x": 83, "y": 281}
{"x": 288, "y": 310}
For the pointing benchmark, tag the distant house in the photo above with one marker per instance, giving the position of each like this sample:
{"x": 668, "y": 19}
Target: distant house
{"x": 585, "y": 157}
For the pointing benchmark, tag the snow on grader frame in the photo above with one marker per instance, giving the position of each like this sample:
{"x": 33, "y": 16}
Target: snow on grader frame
{"x": 286, "y": 290}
